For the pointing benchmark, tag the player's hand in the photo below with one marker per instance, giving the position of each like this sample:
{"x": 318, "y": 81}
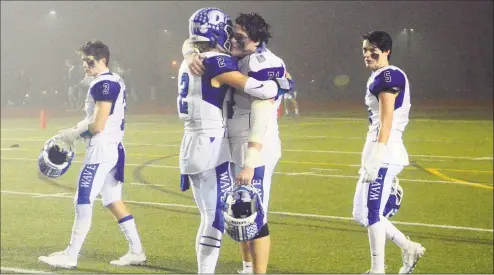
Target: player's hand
{"x": 374, "y": 163}
{"x": 194, "y": 61}
{"x": 284, "y": 85}
{"x": 69, "y": 135}
{"x": 245, "y": 176}
{"x": 371, "y": 171}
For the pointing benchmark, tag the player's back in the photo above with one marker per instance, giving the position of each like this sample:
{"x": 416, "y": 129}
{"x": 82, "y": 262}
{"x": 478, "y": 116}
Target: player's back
{"x": 390, "y": 78}
{"x": 200, "y": 101}
{"x": 108, "y": 87}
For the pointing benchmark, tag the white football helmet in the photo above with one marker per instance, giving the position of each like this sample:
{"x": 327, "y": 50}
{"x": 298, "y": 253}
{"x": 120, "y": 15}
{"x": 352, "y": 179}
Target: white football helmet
{"x": 243, "y": 213}
{"x": 55, "y": 157}
{"x": 394, "y": 202}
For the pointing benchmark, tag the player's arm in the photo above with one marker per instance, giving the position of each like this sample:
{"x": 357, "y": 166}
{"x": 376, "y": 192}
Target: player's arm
{"x": 386, "y": 110}
{"x": 104, "y": 93}
{"x": 259, "y": 89}
{"x": 101, "y": 114}
{"x": 223, "y": 70}
{"x": 193, "y": 58}
{"x": 261, "y": 113}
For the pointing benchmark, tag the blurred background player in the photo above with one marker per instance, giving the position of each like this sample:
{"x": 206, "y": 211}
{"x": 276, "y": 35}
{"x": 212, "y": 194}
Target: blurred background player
{"x": 205, "y": 151}
{"x": 291, "y": 97}
{"x": 254, "y": 160}
{"x": 72, "y": 78}
{"x": 384, "y": 154}
{"x": 103, "y": 170}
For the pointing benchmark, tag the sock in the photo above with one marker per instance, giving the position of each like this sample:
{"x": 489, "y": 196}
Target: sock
{"x": 377, "y": 241}
{"x": 82, "y": 224}
{"x": 247, "y": 267}
{"x": 209, "y": 252}
{"x": 129, "y": 228}
{"x": 209, "y": 244}
{"x": 296, "y": 111}
{"x": 394, "y": 234}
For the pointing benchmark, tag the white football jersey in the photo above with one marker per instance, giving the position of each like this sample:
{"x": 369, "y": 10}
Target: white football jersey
{"x": 201, "y": 105}
{"x": 108, "y": 87}
{"x": 389, "y": 78}
{"x": 262, "y": 65}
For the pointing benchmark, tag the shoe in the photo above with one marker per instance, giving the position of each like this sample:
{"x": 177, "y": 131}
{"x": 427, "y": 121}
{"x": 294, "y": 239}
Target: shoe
{"x": 411, "y": 256}
{"x": 245, "y": 271}
{"x": 130, "y": 259}
{"x": 377, "y": 271}
{"x": 59, "y": 259}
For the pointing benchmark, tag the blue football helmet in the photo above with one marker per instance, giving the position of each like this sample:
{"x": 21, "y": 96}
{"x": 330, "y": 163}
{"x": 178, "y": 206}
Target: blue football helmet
{"x": 56, "y": 157}
{"x": 243, "y": 213}
{"x": 211, "y": 25}
{"x": 394, "y": 202}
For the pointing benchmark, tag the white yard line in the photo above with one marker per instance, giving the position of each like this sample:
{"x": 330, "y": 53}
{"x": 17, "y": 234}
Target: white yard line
{"x": 312, "y": 174}
{"x": 286, "y": 150}
{"x": 22, "y": 270}
{"x": 272, "y": 212}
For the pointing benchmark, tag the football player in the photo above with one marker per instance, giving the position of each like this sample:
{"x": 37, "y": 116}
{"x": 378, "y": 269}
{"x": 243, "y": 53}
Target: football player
{"x": 103, "y": 169}
{"x": 384, "y": 155}
{"x": 252, "y": 124}
{"x": 291, "y": 97}
{"x": 205, "y": 152}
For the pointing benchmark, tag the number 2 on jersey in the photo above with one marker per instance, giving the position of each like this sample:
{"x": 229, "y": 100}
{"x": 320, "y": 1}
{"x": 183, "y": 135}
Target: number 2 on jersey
{"x": 184, "y": 90}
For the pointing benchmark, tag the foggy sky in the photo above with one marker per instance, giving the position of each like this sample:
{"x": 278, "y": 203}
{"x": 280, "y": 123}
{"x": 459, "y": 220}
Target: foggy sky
{"x": 449, "y": 54}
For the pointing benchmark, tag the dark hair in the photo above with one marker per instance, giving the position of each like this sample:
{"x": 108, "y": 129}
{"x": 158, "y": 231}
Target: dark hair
{"x": 97, "y": 49}
{"x": 255, "y": 26}
{"x": 381, "y": 39}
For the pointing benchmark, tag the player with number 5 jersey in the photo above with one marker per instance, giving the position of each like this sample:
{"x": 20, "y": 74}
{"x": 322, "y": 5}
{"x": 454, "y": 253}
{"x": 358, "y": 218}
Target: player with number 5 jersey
{"x": 384, "y": 155}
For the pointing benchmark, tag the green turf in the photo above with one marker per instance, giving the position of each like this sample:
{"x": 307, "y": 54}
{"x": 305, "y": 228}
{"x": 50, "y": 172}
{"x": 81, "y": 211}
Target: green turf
{"x": 316, "y": 175}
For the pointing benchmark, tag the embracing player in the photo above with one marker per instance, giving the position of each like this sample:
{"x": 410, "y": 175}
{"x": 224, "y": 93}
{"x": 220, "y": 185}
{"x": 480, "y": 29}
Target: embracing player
{"x": 252, "y": 124}
{"x": 205, "y": 156}
{"x": 104, "y": 161}
{"x": 384, "y": 154}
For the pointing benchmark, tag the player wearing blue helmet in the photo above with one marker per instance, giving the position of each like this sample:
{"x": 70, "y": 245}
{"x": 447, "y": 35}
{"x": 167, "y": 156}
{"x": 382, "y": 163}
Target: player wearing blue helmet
{"x": 252, "y": 125}
{"x": 205, "y": 158}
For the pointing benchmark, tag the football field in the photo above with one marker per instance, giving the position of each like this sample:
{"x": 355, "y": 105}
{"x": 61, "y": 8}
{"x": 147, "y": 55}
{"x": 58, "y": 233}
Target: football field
{"x": 447, "y": 205}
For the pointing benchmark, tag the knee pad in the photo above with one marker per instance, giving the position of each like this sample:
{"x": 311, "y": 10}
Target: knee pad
{"x": 263, "y": 233}
{"x": 210, "y": 236}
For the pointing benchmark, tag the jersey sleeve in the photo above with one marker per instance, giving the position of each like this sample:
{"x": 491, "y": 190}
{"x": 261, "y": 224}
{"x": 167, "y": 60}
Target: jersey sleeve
{"x": 220, "y": 64}
{"x": 388, "y": 80}
{"x": 105, "y": 90}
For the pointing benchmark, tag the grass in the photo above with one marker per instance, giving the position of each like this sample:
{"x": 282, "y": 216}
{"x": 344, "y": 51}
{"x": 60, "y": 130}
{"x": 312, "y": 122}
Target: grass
{"x": 316, "y": 175}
